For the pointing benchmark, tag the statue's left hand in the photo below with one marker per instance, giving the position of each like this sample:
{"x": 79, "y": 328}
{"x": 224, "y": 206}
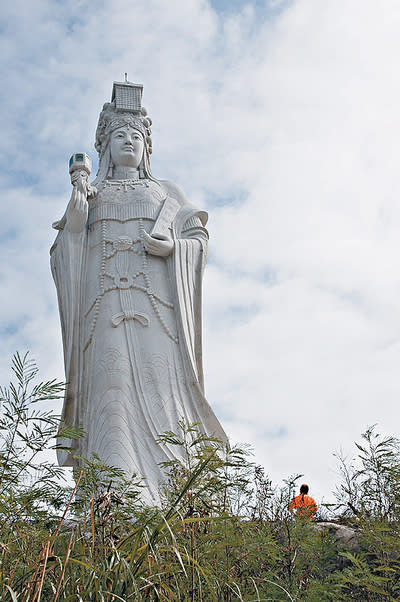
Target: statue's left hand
{"x": 157, "y": 246}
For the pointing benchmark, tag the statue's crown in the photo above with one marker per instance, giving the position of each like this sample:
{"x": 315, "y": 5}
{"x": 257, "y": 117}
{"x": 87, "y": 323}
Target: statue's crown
{"x": 125, "y": 108}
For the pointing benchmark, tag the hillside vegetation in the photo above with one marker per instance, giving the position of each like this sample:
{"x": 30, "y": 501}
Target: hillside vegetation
{"x": 223, "y": 532}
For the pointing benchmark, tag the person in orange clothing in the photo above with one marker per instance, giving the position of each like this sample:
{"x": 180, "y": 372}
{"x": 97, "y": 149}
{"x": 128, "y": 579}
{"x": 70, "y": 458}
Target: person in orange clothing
{"x": 303, "y": 505}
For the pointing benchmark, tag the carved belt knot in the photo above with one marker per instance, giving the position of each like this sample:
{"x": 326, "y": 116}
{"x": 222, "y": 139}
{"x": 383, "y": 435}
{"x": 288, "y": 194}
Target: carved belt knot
{"x": 129, "y": 315}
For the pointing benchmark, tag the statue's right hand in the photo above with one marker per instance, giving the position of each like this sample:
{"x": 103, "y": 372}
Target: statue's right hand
{"x": 77, "y": 212}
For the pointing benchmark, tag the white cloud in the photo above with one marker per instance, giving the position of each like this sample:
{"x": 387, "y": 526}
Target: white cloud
{"x": 286, "y": 129}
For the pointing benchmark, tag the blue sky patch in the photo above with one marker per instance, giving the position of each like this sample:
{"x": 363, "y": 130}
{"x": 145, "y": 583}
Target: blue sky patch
{"x": 10, "y": 329}
{"x": 8, "y": 235}
{"x": 277, "y": 433}
{"x": 266, "y": 8}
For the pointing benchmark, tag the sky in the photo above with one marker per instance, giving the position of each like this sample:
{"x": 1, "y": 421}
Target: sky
{"x": 281, "y": 119}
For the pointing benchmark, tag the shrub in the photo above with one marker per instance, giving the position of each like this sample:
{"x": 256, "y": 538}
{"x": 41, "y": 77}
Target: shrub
{"x": 223, "y": 531}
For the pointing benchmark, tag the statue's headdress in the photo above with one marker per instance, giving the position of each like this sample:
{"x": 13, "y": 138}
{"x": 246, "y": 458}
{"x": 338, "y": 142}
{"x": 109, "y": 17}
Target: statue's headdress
{"x": 124, "y": 109}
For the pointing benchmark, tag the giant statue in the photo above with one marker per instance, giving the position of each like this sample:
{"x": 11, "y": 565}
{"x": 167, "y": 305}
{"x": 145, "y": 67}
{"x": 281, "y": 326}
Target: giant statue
{"x": 128, "y": 262}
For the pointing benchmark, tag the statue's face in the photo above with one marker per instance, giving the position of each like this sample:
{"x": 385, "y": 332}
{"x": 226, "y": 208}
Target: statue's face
{"x": 127, "y": 146}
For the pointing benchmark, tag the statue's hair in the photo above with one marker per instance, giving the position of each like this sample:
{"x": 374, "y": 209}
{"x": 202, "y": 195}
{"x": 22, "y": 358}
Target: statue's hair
{"x": 110, "y": 120}
{"x": 304, "y": 489}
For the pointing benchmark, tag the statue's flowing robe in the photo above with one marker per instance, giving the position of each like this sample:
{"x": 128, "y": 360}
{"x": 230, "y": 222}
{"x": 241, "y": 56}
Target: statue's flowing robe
{"x": 131, "y": 325}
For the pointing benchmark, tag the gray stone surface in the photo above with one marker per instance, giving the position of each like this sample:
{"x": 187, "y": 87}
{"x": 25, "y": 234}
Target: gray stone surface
{"x": 128, "y": 263}
{"x": 345, "y": 535}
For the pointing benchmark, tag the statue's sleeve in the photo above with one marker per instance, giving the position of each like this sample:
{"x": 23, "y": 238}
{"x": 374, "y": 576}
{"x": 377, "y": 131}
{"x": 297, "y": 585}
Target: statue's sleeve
{"x": 188, "y": 262}
{"x": 67, "y": 260}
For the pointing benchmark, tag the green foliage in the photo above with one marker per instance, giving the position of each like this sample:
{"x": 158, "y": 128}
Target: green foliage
{"x": 371, "y": 482}
{"x": 222, "y": 532}
{"x": 369, "y": 497}
{"x": 29, "y": 483}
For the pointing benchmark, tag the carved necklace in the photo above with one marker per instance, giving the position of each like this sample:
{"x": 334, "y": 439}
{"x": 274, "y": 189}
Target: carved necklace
{"x": 126, "y": 185}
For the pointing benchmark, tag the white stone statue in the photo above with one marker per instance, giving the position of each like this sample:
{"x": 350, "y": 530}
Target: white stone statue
{"x": 128, "y": 262}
